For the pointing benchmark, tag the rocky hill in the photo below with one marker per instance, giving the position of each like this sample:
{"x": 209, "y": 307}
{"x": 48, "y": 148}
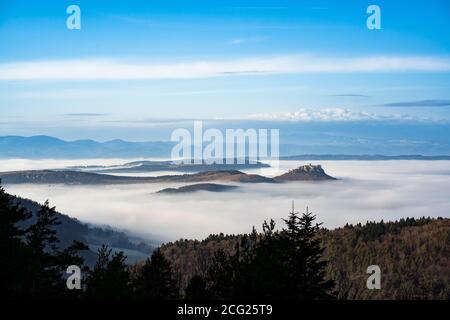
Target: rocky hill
{"x": 211, "y": 187}
{"x": 307, "y": 172}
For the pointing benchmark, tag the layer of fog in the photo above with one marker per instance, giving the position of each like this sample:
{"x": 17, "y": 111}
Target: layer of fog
{"x": 366, "y": 190}
{"x": 41, "y": 164}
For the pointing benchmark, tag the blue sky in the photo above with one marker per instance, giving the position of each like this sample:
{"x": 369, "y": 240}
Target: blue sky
{"x": 142, "y": 60}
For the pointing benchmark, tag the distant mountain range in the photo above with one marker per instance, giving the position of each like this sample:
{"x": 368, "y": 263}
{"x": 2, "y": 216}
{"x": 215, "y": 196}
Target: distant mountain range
{"x": 45, "y": 147}
{"x": 307, "y": 172}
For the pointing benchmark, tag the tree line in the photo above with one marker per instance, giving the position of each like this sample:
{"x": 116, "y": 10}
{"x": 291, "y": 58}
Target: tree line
{"x": 412, "y": 253}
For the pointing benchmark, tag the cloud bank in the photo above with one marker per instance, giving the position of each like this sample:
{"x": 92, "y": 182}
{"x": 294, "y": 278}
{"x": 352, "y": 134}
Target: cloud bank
{"x": 374, "y": 190}
{"x": 329, "y": 114}
{"x": 110, "y": 69}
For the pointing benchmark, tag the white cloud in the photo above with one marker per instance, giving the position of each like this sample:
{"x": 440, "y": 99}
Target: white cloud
{"x": 110, "y": 69}
{"x": 329, "y": 114}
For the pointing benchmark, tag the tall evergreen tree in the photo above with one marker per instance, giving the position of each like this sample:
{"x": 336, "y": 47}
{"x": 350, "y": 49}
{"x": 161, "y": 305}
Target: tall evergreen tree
{"x": 155, "y": 280}
{"x": 42, "y": 235}
{"x": 222, "y": 276}
{"x": 303, "y": 254}
{"x": 47, "y": 263}
{"x": 263, "y": 274}
{"x": 284, "y": 264}
{"x": 12, "y": 247}
{"x": 110, "y": 278}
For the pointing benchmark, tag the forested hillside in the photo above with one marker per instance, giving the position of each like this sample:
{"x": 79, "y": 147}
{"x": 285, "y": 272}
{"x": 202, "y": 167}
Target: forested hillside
{"x": 70, "y": 229}
{"x": 413, "y": 254}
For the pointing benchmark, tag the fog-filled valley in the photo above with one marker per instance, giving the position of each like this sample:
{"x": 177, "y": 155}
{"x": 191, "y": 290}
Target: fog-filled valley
{"x": 364, "y": 190}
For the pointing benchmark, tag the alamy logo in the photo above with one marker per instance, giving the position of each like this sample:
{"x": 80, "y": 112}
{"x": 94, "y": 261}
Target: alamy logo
{"x": 236, "y": 146}
{"x": 74, "y": 279}
{"x": 74, "y": 20}
{"x": 374, "y": 20}
{"x": 374, "y": 281}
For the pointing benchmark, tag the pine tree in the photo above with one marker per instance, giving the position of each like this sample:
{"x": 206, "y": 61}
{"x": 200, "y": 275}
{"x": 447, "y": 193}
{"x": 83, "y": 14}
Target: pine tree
{"x": 263, "y": 274}
{"x": 12, "y": 247}
{"x": 155, "y": 280}
{"x": 42, "y": 235}
{"x": 43, "y": 277}
{"x": 222, "y": 276}
{"x": 303, "y": 254}
{"x": 110, "y": 278}
{"x": 283, "y": 264}
{"x": 46, "y": 263}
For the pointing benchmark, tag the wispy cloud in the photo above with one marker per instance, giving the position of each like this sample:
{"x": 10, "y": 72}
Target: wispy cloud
{"x": 328, "y": 114}
{"x": 86, "y": 114}
{"x": 260, "y": 7}
{"x": 420, "y": 103}
{"x": 351, "y": 95}
{"x": 238, "y": 41}
{"x": 110, "y": 69}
